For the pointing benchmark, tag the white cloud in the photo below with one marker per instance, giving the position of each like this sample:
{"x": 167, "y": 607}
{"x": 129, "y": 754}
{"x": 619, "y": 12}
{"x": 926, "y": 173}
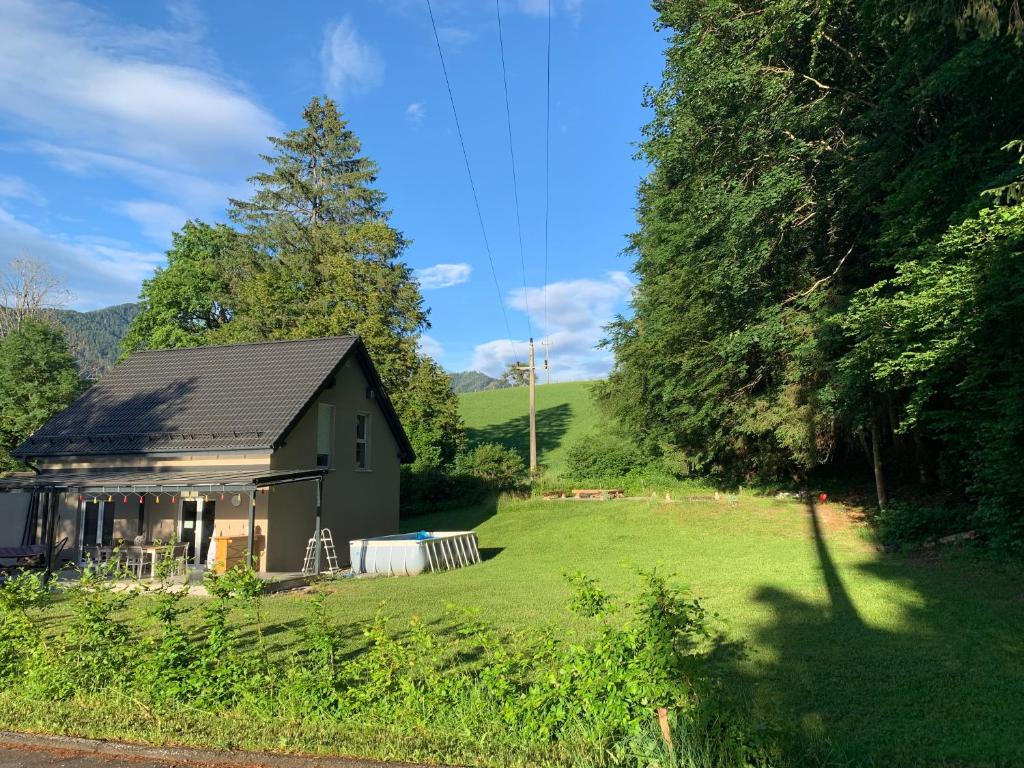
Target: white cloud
{"x": 144, "y": 105}
{"x": 493, "y": 357}
{"x": 577, "y": 311}
{"x": 416, "y": 111}
{"x": 443, "y": 275}
{"x": 13, "y": 187}
{"x": 571, "y": 8}
{"x": 455, "y": 38}
{"x": 194, "y": 191}
{"x": 430, "y": 347}
{"x": 157, "y": 220}
{"x": 574, "y": 305}
{"x": 98, "y": 271}
{"x": 70, "y": 74}
{"x": 348, "y": 62}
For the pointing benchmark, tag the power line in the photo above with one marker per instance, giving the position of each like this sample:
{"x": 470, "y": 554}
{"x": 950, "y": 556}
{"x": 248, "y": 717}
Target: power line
{"x": 512, "y": 156}
{"x": 469, "y": 172}
{"x": 547, "y": 173}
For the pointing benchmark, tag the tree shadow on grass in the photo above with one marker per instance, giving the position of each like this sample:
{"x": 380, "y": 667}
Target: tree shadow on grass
{"x": 942, "y": 688}
{"x": 552, "y": 424}
{"x": 452, "y": 516}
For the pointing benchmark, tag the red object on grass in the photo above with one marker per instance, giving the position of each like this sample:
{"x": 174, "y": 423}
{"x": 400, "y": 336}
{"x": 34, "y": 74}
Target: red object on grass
{"x": 822, "y": 497}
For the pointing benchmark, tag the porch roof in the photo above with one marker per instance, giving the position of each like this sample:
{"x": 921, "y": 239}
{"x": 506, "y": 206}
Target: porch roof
{"x": 157, "y": 479}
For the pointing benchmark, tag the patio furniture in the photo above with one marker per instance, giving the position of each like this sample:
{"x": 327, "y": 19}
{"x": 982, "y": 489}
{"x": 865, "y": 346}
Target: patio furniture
{"x": 30, "y": 555}
{"x": 132, "y": 559}
{"x": 177, "y": 554}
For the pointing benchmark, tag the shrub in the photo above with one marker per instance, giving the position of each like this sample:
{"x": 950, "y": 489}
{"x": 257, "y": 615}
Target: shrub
{"x": 457, "y": 691}
{"x": 602, "y": 456}
{"x": 18, "y": 633}
{"x": 901, "y": 524}
{"x": 499, "y": 467}
{"x": 425, "y": 486}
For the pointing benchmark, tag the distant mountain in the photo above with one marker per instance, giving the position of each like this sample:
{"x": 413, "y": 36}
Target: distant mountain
{"x": 95, "y": 337}
{"x": 474, "y": 381}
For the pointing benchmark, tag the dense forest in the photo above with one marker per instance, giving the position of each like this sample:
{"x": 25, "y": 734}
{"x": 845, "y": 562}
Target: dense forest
{"x": 829, "y": 250}
{"x": 95, "y": 337}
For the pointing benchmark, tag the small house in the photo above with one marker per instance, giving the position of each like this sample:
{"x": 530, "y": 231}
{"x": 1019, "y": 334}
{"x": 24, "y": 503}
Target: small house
{"x": 262, "y": 444}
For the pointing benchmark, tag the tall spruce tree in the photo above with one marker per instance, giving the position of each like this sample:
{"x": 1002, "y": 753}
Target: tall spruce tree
{"x": 327, "y": 261}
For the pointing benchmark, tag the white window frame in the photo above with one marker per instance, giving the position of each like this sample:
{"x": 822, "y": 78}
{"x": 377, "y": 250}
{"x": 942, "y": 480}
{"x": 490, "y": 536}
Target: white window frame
{"x": 198, "y": 530}
{"x": 332, "y": 439}
{"x": 364, "y": 441}
{"x": 97, "y": 534}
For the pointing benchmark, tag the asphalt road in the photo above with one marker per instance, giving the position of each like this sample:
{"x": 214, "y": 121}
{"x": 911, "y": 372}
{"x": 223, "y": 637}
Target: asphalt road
{"x": 20, "y": 757}
{"x": 28, "y": 751}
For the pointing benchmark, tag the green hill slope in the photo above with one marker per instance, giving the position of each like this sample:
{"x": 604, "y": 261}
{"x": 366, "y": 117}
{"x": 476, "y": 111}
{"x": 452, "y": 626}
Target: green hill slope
{"x": 565, "y": 412}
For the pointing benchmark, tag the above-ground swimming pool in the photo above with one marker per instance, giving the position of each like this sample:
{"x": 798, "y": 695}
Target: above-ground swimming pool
{"x": 409, "y": 554}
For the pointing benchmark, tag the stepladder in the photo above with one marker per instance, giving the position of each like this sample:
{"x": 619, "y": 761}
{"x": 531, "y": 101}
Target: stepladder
{"x": 328, "y": 554}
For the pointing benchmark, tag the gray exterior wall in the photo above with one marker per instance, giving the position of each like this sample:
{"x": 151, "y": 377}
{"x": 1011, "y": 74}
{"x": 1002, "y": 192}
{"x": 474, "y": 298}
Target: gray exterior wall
{"x": 13, "y": 514}
{"x": 357, "y": 503}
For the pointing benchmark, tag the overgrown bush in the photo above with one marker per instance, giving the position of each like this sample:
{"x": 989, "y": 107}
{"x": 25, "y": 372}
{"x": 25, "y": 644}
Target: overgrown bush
{"x": 901, "y": 524}
{"x": 486, "y": 469}
{"x": 499, "y": 467}
{"x": 454, "y": 691}
{"x": 602, "y": 455}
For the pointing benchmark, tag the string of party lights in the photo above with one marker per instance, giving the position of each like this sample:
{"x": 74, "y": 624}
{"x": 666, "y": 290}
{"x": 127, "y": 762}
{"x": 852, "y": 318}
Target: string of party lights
{"x": 94, "y": 498}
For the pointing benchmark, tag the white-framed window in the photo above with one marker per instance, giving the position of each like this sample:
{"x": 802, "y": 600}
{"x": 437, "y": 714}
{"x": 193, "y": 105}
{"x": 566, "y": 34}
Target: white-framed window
{"x": 324, "y": 435}
{"x": 363, "y": 441}
{"x": 95, "y": 526}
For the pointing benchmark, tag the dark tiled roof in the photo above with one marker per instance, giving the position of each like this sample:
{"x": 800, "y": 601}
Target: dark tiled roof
{"x": 236, "y": 397}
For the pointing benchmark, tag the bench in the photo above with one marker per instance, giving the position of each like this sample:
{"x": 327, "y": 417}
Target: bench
{"x": 30, "y": 555}
{"x": 597, "y": 493}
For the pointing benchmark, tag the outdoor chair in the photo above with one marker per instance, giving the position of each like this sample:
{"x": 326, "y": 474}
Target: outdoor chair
{"x": 132, "y": 559}
{"x": 180, "y": 555}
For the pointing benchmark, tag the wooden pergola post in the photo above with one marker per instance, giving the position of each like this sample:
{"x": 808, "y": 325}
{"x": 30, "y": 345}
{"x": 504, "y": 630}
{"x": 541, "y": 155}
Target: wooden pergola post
{"x": 319, "y": 518}
{"x": 50, "y": 529}
{"x": 252, "y": 527}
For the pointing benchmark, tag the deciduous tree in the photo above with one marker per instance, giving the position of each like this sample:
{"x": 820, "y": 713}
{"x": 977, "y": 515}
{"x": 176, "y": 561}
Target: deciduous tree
{"x": 38, "y": 378}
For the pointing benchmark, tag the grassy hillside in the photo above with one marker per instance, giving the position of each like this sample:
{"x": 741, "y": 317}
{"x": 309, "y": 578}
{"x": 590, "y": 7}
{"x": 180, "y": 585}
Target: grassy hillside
{"x": 565, "y": 412}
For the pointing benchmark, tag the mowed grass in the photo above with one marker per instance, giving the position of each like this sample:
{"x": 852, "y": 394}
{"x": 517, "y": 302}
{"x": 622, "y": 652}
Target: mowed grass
{"x": 892, "y": 660}
{"x": 565, "y": 412}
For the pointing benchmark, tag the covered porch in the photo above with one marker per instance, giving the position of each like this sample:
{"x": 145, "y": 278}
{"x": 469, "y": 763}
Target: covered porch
{"x": 88, "y": 513}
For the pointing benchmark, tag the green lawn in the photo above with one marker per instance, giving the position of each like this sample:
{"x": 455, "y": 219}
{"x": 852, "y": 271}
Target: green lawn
{"x": 893, "y": 659}
{"x": 564, "y": 413}
{"x": 890, "y": 659}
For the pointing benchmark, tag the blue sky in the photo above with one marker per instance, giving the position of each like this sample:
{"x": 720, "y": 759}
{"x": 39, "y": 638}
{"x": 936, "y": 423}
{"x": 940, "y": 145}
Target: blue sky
{"x": 120, "y": 120}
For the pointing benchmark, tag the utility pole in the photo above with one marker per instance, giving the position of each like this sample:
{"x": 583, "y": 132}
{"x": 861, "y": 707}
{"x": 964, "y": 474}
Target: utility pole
{"x": 547, "y": 366}
{"x": 531, "y": 369}
{"x": 533, "y": 414}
